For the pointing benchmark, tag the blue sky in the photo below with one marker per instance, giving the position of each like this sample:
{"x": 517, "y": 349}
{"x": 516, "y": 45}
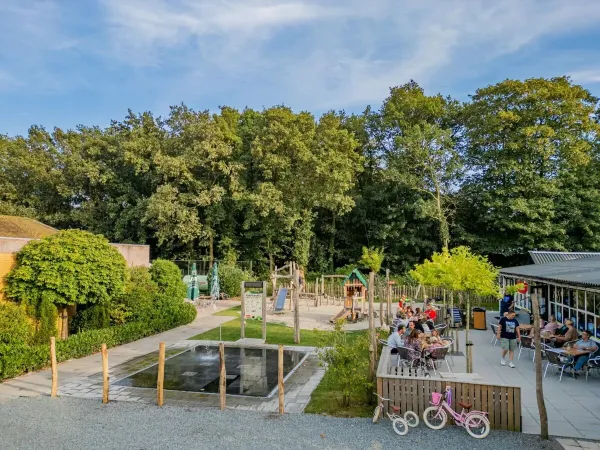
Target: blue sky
{"x": 68, "y": 62}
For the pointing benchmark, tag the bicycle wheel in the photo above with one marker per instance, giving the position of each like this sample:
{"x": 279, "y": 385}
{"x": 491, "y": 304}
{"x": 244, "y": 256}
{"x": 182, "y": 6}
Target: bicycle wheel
{"x": 376, "y": 414}
{"x": 435, "y": 418}
{"x": 400, "y": 426}
{"x": 477, "y": 425}
{"x": 412, "y": 419}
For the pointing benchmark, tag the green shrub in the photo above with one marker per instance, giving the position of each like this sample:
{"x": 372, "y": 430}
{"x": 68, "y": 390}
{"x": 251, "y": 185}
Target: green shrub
{"x": 347, "y": 360}
{"x": 168, "y": 277}
{"x": 231, "y": 277}
{"x": 93, "y": 318}
{"x": 70, "y": 267}
{"x": 15, "y": 325}
{"x": 140, "y": 293}
{"x": 16, "y": 359}
{"x": 47, "y": 315}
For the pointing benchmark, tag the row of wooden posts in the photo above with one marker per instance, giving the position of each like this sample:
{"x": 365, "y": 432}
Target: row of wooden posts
{"x": 160, "y": 398}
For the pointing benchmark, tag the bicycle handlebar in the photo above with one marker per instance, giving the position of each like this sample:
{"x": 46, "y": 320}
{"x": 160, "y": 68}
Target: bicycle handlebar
{"x": 382, "y": 398}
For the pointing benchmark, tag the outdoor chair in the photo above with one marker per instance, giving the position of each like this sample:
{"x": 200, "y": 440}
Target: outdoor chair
{"x": 554, "y": 361}
{"x": 437, "y": 355}
{"x": 449, "y": 345}
{"x": 494, "y": 328}
{"x": 409, "y": 358}
{"x": 527, "y": 343}
{"x": 592, "y": 364}
{"x": 440, "y": 328}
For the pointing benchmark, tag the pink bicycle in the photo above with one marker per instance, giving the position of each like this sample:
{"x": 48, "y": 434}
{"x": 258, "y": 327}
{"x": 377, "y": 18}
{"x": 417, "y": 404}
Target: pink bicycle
{"x": 475, "y": 422}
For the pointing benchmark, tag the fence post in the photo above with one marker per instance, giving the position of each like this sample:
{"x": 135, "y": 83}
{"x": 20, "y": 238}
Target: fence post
{"x": 222, "y": 376}
{"x": 160, "y": 381}
{"x": 243, "y": 312}
{"x": 104, "y": 374}
{"x": 280, "y": 380}
{"x": 54, "y": 388}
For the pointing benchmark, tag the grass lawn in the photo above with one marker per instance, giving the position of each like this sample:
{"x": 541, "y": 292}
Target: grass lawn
{"x": 276, "y": 334}
{"x": 325, "y": 398}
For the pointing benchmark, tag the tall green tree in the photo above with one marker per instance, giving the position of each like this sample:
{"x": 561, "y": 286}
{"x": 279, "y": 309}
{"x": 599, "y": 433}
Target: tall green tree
{"x": 522, "y": 136}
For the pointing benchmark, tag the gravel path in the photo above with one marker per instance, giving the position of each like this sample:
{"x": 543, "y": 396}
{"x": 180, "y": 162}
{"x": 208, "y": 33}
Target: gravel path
{"x": 69, "y": 423}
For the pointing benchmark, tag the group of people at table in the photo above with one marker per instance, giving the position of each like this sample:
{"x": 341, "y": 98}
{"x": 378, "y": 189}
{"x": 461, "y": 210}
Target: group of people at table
{"x": 557, "y": 335}
{"x": 414, "y": 329}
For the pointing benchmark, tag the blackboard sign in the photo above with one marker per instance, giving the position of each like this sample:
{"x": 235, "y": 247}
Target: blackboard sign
{"x": 253, "y": 284}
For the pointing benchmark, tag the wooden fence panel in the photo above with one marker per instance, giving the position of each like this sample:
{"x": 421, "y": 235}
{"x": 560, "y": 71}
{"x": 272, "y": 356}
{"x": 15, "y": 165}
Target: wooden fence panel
{"x": 410, "y": 393}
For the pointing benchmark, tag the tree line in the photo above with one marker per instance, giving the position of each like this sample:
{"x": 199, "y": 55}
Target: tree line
{"x": 515, "y": 168}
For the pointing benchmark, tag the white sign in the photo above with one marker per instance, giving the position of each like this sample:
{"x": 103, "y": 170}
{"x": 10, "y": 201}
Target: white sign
{"x": 253, "y": 304}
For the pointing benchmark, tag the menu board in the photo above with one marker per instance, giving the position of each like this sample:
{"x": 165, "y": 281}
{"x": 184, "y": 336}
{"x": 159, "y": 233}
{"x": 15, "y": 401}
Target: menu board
{"x": 253, "y": 304}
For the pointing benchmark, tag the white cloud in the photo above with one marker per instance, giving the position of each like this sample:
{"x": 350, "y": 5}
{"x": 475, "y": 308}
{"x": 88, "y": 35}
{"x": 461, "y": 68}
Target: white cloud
{"x": 589, "y": 76}
{"x": 336, "y": 53}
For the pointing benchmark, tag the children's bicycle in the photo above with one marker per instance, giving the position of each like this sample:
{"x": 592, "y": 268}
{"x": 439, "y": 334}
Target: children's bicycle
{"x": 399, "y": 423}
{"x": 475, "y": 422}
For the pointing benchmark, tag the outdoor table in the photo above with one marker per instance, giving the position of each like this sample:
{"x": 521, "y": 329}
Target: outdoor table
{"x": 575, "y": 352}
{"x": 525, "y": 328}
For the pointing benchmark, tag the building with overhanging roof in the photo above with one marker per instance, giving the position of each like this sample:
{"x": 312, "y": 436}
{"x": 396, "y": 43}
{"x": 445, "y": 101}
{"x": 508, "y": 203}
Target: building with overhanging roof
{"x": 567, "y": 285}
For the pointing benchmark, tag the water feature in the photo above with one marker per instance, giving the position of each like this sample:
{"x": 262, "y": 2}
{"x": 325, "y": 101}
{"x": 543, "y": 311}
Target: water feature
{"x": 250, "y": 371}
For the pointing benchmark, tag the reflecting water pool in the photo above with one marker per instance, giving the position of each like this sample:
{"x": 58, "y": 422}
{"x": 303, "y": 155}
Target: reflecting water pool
{"x": 250, "y": 371}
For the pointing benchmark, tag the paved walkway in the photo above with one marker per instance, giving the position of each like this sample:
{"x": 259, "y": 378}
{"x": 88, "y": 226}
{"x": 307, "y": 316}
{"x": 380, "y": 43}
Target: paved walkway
{"x": 573, "y": 405}
{"x": 38, "y": 383}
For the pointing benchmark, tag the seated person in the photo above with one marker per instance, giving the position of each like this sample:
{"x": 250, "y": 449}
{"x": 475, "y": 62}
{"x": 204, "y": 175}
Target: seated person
{"x": 409, "y": 329}
{"x": 585, "y": 343}
{"x": 418, "y": 312}
{"x": 431, "y": 314}
{"x": 402, "y": 320}
{"x": 396, "y": 339}
{"x": 414, "y": 343}
{"x": 419, "y": 326}
{"x": 424, "y": 326}
{"x": 551, "y": 326}
{"x": 569, "y": 336}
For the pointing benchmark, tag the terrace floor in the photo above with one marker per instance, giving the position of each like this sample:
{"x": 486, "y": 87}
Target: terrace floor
{"x": 573, "y": 405}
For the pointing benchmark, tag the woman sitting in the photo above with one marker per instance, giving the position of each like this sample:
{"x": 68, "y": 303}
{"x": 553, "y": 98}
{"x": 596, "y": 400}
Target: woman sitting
{"x": 414, "y": 343}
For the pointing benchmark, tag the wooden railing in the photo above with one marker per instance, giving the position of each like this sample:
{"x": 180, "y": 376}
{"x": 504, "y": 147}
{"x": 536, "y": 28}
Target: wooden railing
{"x": 501, "y": 402}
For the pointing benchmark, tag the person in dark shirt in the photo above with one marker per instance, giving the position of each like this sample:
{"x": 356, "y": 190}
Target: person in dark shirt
{"x": 508, "y": 334}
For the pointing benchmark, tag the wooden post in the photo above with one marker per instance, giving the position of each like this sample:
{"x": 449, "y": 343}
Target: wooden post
{"x": 323, "y": 289}
{"x": 280, "y": 380}
{"x": 388, "y": 291}
{"x": 381, "y": 299}
{"x": 243, "y": 312}
{"x": 274, "y": 286}
{"x": 54, "y": 388}
{"x": 264, "y": 312}
{"x": 222, "y": 376}
{"x": 104, "y": 374}
{"x": 296, "y": 295}
{"x": 539, "y": 389}
{"x": 469, "y": 351}
{"x": 372, "y": 341}
{"x": 160, "y": 381}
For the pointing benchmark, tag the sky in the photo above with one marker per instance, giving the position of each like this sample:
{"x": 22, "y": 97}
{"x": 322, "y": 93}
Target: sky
{"x": 68, "y": 62}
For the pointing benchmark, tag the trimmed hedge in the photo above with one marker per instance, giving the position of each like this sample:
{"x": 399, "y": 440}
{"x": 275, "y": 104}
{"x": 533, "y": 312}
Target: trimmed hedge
{"x": 18, "y": 359}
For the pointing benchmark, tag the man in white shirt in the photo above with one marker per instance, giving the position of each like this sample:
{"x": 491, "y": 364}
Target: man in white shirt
{"x": 396, "y": 339}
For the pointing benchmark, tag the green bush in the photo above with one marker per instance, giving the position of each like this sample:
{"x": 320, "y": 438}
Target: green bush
{"x": 231, "y": 277}
{"x": 347, "y": 360}
{"x": 70, "y": 267}
{"x": 93, "y": 318}
{"x": 140, "y": 293}
{"x": 15, "y": 325}
{"x": 168, "y": 277}
{"x": 47, "y": 315}
{"x": 16, "y": 359}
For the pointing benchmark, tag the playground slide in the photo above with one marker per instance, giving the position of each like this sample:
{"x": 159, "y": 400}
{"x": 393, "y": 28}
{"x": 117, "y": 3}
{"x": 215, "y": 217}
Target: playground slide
{"x": 341, "y": 315}
{"x": 280, "y": 301}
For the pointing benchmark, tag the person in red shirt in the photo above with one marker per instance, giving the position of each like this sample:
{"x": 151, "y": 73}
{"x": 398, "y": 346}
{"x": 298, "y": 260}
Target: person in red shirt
{"x": 401, "y": 302}
{"x": 431, "y": 315}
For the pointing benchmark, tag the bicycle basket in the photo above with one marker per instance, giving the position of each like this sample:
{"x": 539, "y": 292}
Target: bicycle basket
{"x": 436, "y": 398}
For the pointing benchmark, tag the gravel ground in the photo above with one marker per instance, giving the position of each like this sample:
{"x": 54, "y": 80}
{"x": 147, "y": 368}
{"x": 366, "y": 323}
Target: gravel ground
{"x": 69, "y": 423}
